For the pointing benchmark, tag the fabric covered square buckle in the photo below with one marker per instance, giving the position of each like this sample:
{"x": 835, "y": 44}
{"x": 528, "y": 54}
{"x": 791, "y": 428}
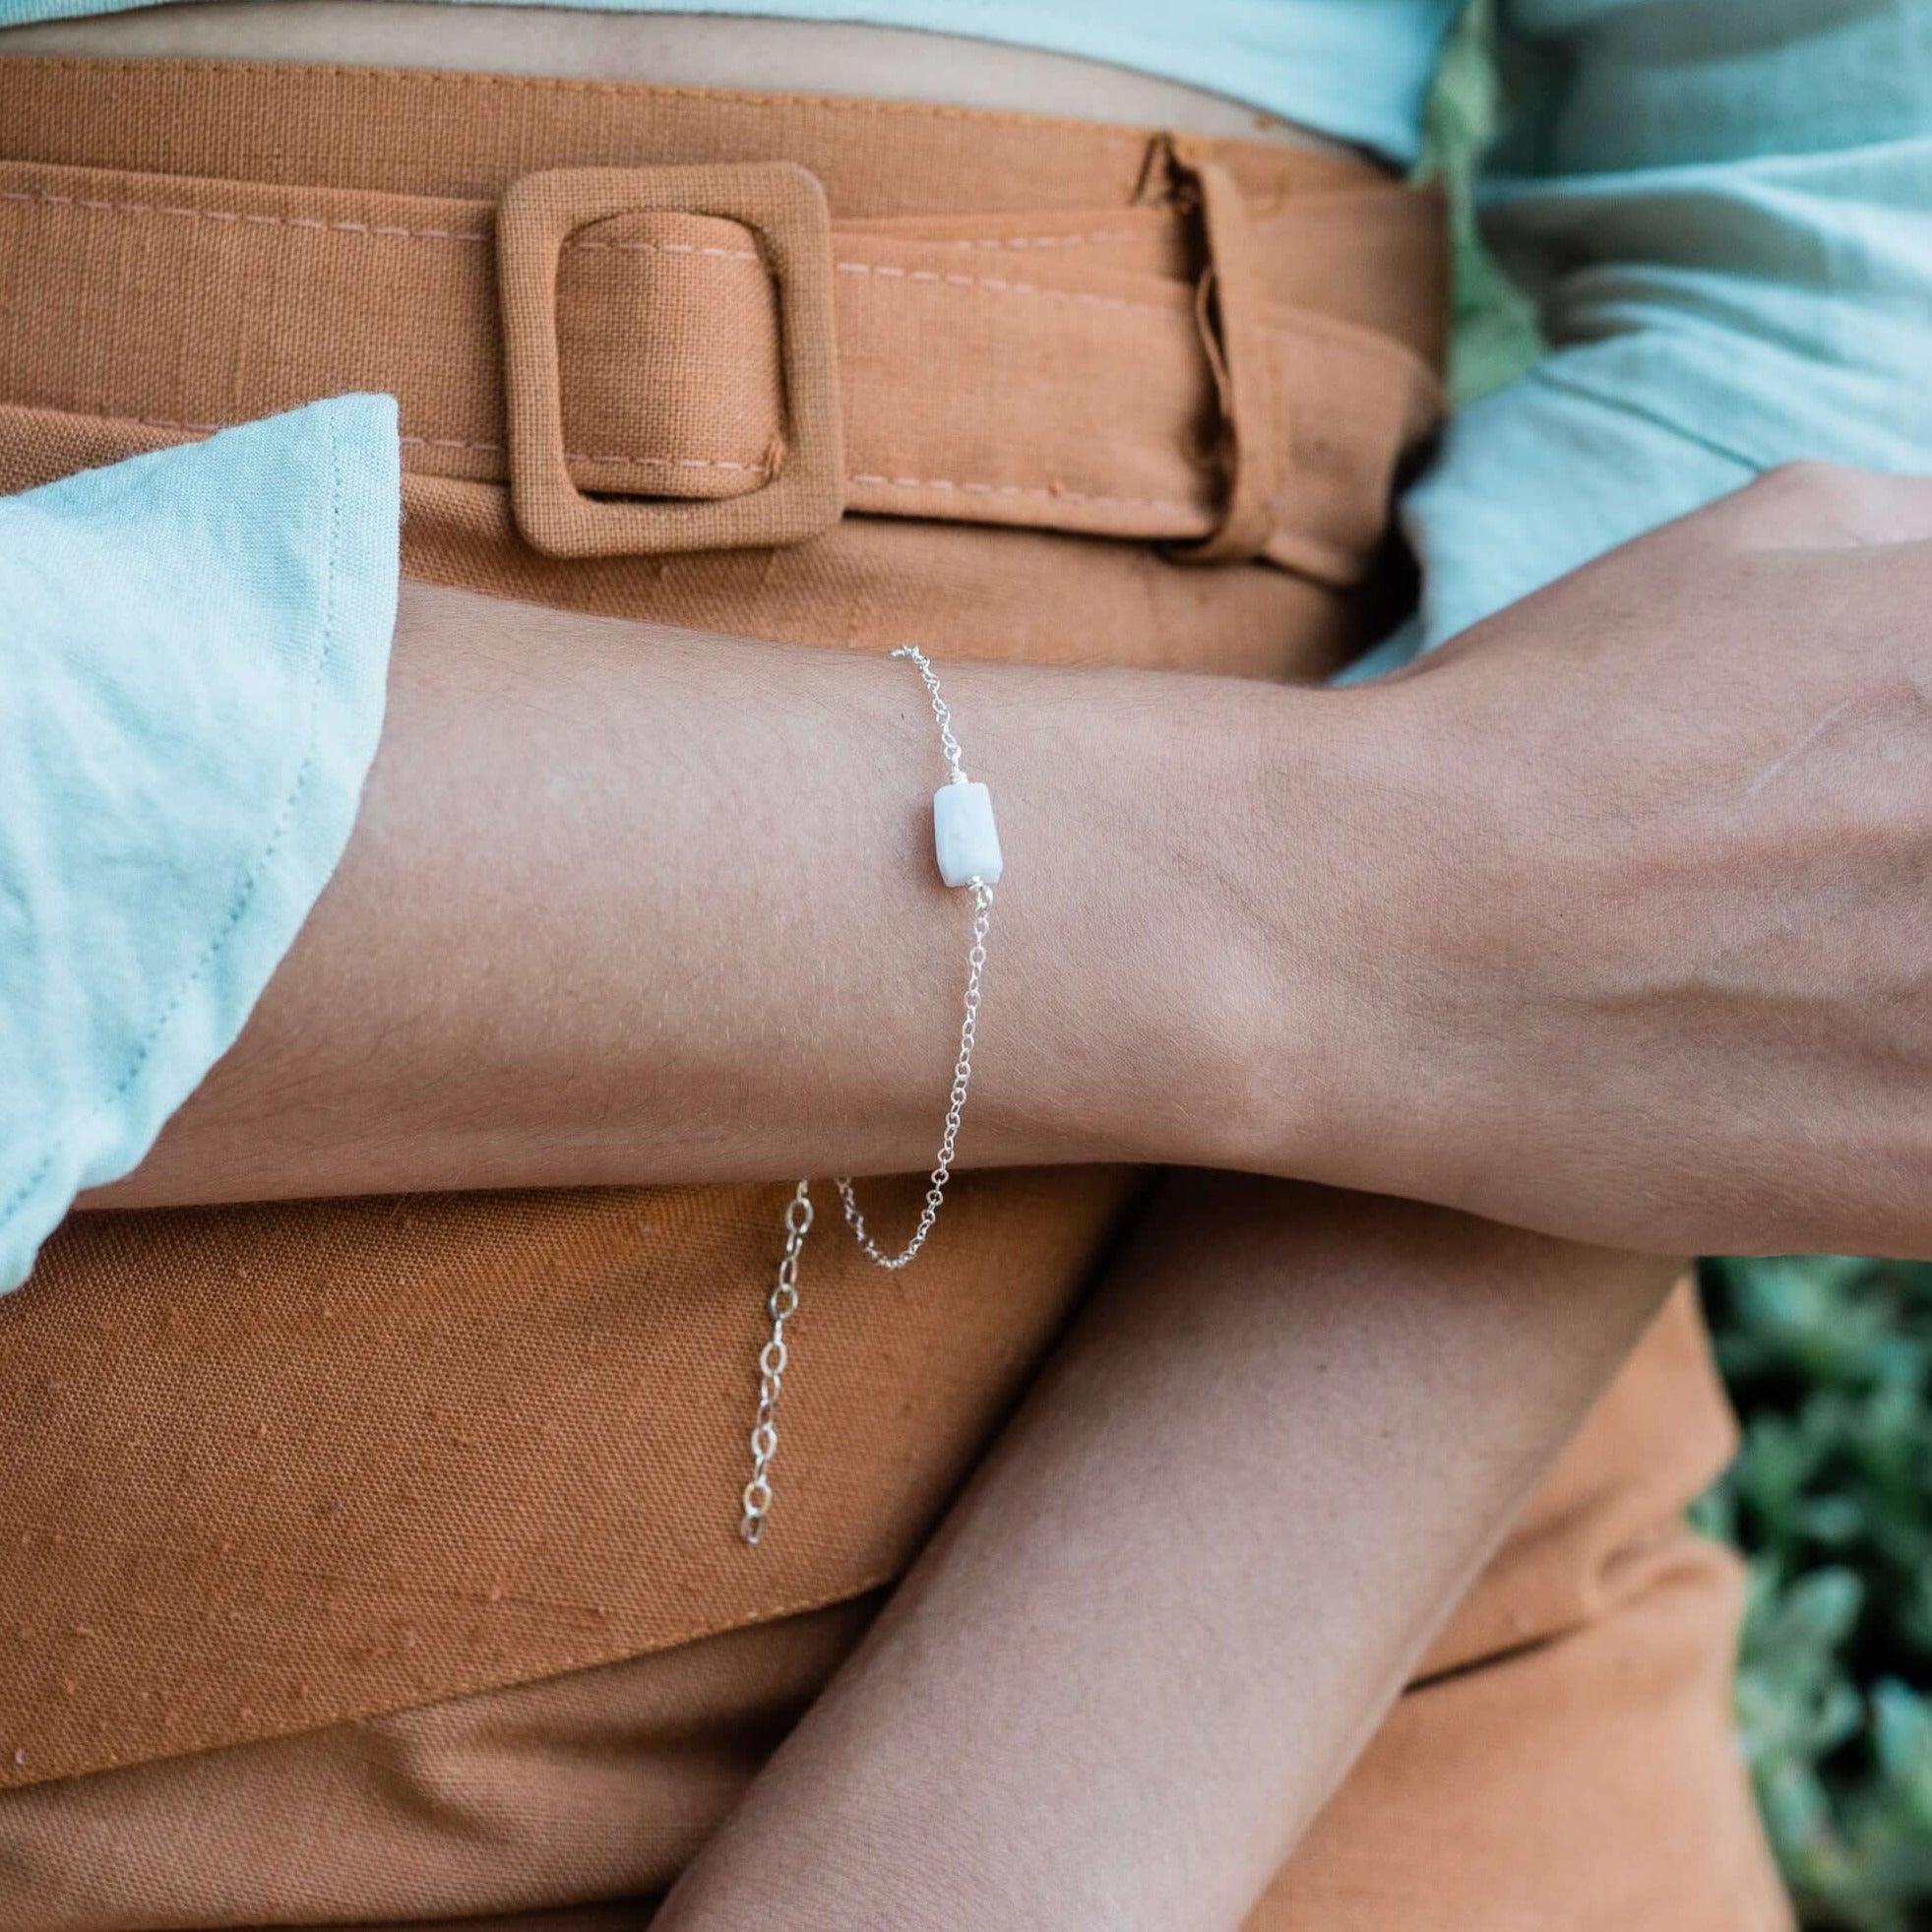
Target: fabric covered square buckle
{"x": 780, "y": 212}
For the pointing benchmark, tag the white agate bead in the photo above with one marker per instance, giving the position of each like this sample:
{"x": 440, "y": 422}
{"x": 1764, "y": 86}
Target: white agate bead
{"x": 964, "y": 834}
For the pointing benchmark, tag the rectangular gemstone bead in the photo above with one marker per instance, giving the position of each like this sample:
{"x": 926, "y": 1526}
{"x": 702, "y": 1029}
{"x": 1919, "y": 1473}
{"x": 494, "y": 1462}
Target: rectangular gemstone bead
{"x": 964, "y": 834}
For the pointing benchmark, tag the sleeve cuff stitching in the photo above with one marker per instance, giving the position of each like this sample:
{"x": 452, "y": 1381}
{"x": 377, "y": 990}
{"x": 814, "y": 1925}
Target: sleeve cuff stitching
{"x": 245, "y": 897}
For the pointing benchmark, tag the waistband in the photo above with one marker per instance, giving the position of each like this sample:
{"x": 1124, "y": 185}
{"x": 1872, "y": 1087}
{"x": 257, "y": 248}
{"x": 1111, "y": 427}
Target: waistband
{"x": 676, "y": 319}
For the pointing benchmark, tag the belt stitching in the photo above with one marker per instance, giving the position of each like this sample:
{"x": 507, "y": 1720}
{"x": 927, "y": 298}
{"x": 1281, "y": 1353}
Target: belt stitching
{"x": 996, "y": 284}
{"x": 1113, "y": 132}
{"x": 993, "y": 284}
{"x": 1044, "y": 492}
{"x": 1093, "y": 237}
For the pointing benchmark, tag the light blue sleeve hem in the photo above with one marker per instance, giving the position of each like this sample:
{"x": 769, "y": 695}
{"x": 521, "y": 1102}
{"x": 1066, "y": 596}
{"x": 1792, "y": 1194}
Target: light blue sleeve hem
{"x": 196, "y": 667}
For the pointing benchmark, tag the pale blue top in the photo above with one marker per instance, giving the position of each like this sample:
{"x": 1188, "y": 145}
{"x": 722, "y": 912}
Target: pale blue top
{"x": 1722, "y": 207}
{"x": 195, "y": 650}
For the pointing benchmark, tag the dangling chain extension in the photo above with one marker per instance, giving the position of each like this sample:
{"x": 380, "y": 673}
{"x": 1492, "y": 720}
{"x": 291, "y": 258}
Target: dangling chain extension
{"x": 782, "y": 1302}
{"x": 781, "y": 1306}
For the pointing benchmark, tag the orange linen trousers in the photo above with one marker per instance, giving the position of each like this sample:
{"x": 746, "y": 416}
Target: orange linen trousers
{"x": 373, "y": 1561}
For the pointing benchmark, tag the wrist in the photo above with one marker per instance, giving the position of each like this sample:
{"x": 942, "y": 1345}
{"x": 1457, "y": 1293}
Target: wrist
{"x": 1196, "y": 959}
{"x": 1346, "y": 807}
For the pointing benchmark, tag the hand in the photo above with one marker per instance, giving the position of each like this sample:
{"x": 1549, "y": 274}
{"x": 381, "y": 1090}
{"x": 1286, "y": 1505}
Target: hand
{"x": 1662, "y": 887}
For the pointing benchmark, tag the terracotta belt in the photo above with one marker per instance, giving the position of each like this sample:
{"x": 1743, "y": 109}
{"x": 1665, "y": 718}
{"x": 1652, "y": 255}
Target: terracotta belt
{"x": 675, "y": 357}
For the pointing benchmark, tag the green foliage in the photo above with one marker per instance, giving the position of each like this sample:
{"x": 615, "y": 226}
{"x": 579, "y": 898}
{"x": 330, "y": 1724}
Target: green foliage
{"x": 1493, "y": 332}
{"x": 1830, "y": 1361}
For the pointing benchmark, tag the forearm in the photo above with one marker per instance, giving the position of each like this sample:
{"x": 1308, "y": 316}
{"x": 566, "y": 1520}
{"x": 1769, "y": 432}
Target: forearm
{"x": 631, "y": 905}
{"x": 1193, "y": 1575}
{"x": 1556, "y": 930}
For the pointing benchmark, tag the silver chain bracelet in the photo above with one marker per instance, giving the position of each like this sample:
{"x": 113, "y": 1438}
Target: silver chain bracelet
{"x": 967, "y": 846}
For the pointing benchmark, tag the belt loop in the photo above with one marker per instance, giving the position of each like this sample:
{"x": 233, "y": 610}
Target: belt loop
{"x": 1229, "y": 311}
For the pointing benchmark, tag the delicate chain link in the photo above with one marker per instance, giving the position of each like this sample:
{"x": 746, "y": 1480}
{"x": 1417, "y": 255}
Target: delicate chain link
{"x": 941, "y": 710}
{"x": 781, "y": 1306}
{"x": 942, "y": 1170}
{"x": 782, "y": 1302}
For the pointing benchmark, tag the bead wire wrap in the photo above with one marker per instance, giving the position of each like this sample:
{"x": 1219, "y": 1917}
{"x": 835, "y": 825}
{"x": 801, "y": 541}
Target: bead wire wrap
{"x": 782, "y": 1302}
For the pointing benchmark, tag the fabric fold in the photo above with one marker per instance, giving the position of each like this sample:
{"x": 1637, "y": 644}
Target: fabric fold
{"x": 195, "y": 652}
